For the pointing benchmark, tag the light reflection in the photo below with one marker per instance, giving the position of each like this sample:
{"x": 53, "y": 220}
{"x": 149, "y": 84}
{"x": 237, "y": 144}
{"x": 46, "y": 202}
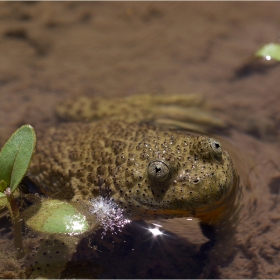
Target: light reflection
{"x": 189, "y": 219}
{"x": 75, "y": 224}
{"x": 268, "y": 57}
{"x": 155, "y": 231}
{"x": 157, "y": 225}
{"x": 78, "y": 225}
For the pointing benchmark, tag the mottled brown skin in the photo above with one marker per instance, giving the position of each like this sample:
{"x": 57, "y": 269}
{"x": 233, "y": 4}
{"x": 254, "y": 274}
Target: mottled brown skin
{"x": 148, "y": 171}
{"x": 187, "y": 111}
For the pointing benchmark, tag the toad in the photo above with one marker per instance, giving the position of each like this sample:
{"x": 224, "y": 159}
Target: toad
{"x": 128, "y": 150}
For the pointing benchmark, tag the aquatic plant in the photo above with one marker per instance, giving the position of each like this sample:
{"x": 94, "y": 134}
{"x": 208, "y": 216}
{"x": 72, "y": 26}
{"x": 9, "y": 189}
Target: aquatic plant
{"x": 15, "y": 158}
{"x": 269, "y": 51}
{"x": 56, "y": 216}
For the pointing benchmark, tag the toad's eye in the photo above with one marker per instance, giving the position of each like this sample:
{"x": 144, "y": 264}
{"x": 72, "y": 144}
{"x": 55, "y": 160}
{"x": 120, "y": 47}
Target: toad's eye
{"x": 216, "y": 147}
{"x": 158, "y": 171}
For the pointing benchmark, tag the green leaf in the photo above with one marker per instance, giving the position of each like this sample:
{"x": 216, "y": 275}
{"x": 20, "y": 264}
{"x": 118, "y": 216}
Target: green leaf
{"x": 3, "y": 200}
{"x": 55, "y": 216}
{"x": 16, "y": 155}
{"x": 3, "y": 186}
{"x": 269, "y": 51}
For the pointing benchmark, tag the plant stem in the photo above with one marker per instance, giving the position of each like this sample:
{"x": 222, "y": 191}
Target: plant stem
{"x": 17, "y": 226}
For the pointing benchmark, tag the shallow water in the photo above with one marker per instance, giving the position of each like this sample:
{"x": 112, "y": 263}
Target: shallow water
{"x": 53, "y": 51}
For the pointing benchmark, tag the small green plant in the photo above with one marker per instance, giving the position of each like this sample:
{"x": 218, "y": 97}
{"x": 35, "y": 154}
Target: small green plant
{"x": 15, "y": 158}
{"x": 269, "y": 51}
{"x": 54, "y": 216}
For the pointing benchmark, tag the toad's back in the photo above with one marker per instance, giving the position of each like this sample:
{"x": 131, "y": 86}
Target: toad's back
{"x": 146, "y": 170}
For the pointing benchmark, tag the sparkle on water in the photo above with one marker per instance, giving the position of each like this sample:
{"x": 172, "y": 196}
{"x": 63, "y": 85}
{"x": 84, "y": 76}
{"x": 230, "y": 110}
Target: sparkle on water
{"x": 268, "y": 57}
{"x": 155, "y": 231}
{"x": 109, "y": 214}
{"x": 75, "y": 223}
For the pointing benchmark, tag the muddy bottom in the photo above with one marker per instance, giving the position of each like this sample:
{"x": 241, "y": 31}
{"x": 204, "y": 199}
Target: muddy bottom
{"x": 54, "y": 51}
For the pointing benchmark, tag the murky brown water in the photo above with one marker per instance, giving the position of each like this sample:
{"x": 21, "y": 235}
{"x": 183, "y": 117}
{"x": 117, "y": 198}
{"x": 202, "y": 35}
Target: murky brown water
{"x": 52, "y": 51}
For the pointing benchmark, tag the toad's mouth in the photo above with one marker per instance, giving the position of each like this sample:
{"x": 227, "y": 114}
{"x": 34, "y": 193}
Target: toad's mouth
{"x": 149, "y": 210}
{"x": 206, "y": 217}
{"x": 208, "y": 214}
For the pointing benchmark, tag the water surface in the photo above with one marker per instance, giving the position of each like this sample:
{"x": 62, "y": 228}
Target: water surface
{"x": 52, "y": 51}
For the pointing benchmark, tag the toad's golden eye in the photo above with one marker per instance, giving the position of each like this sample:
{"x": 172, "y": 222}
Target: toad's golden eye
{"x": 216, "y": 147}
{"x": 158, "y": 171}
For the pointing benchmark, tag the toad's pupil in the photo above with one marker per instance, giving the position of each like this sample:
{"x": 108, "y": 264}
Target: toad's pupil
{"x": 158, "y": 169}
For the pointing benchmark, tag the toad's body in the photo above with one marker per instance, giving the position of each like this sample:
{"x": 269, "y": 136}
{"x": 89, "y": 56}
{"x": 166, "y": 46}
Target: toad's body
{"x": 147, "y": 170}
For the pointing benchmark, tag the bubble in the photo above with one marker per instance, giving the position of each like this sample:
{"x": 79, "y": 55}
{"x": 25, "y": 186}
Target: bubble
{"x": 108, "y": 214}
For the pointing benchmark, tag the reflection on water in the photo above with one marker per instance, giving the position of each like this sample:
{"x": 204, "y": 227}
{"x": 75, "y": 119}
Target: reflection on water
{"x": 137, "y": 253}
{"x": 156, "y": 230}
